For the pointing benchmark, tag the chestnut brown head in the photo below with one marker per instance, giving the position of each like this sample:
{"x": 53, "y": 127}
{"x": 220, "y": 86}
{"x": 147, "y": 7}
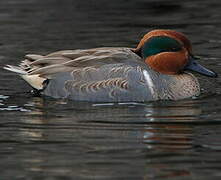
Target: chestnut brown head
{"x": 169, "y": 52}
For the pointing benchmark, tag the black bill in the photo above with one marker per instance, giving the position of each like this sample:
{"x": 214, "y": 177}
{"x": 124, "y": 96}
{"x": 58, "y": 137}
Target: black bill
{"x": 192, "y": 65}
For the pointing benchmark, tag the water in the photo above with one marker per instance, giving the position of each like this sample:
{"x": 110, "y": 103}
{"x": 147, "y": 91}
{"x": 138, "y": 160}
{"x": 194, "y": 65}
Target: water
{"x": 43, "y": 138}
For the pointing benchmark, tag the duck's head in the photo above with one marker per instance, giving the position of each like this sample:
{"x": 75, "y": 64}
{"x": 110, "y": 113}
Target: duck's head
{"x": 169, "y": 52}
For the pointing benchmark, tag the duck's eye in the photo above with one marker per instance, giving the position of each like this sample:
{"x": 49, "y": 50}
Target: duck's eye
{"x": 175, "y": 49}
{"x": 160, "y": 44}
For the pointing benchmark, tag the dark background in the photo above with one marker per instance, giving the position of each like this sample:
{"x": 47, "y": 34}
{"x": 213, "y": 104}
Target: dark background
{"x": 43, "y": 138}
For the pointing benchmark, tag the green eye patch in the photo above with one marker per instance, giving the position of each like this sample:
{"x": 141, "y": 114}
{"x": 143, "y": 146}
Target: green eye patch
{"x": 160, "y": 44}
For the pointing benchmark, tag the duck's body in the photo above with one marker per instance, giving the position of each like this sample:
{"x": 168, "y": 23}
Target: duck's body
{"x": 103, "y": 75}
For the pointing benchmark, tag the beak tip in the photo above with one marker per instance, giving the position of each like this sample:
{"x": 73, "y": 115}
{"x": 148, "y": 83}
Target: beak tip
{"x": 215, "y": 75}
{"x": 212, "y": 74}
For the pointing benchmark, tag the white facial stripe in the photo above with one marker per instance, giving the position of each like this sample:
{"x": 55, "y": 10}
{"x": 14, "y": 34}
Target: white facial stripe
{"x": 149, "y": 81}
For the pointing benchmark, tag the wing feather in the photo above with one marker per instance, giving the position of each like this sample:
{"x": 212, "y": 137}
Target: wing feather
{"x": 100, "y": 74}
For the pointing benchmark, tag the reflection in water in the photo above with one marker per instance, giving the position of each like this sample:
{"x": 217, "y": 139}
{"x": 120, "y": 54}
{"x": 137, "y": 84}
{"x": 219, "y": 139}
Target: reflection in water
{"x": 140, "y": 141}
{"x": 94, "y": 141}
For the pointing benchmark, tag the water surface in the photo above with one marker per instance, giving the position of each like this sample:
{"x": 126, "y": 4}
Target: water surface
{"x": 43, "y": 138}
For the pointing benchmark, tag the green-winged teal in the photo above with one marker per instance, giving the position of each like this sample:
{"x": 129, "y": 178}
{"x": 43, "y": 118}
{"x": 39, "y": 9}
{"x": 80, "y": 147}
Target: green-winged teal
{"x": 155, "y": 70}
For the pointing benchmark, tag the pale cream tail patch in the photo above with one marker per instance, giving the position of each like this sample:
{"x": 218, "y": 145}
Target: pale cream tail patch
{"x": 34, "y": 80}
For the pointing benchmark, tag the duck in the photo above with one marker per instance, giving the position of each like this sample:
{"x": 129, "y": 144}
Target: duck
{"x": 159, "y": 68}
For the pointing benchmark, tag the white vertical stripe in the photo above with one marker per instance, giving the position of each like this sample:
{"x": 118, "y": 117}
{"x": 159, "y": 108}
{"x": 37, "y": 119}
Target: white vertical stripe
{"x": 149, "y": 81}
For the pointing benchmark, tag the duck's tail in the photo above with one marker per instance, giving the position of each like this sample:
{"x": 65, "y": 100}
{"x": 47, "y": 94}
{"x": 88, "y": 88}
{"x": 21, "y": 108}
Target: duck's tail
{"x": 15, "y": 69}
{"x": 34, "y": 80}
